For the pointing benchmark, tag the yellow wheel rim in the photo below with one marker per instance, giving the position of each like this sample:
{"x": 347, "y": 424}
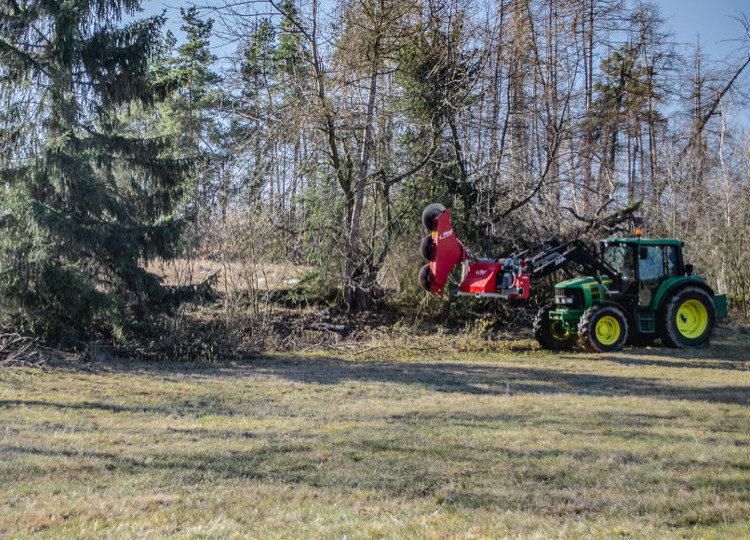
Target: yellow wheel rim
{"x": 607, "y": 330}
{"x": 692, "y": 319}
{"x": 557, "y": 331}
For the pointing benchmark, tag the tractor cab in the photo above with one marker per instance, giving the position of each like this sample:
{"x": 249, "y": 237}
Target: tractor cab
{"x": 644, "y": 264}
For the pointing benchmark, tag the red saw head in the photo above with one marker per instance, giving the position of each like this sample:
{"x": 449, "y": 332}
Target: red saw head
{"x": 440, "y": 247}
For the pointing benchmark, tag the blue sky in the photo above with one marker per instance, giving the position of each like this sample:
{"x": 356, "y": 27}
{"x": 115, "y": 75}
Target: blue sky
{"x": 711, "y": 19}
{"x": 687, "y": 19}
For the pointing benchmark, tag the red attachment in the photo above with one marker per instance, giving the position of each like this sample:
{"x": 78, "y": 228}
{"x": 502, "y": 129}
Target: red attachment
{"x": 481, "y": 277}
{"x": 447, "y": 252}
{"x": 522, "y": 284}
{"x": 503, "y": 278}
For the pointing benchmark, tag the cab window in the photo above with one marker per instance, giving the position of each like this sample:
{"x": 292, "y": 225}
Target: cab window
{"x": 651, "y": 263}
{"x": 673, "y": 269}
{"x": 620, "y": 258}
{"x": 657, "y": 262}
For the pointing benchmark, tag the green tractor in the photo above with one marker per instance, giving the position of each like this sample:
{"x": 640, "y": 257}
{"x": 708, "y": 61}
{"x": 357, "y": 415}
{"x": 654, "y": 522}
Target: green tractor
{"x": 634, "y": 290}
{"x": 639, "y": 290}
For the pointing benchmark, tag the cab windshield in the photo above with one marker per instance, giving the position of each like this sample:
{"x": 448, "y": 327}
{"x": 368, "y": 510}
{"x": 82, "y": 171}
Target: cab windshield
{"x": 620, "y": 258}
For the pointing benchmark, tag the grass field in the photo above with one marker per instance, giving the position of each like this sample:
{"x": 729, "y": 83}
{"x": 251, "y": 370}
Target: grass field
{"x": 647, "y": 443}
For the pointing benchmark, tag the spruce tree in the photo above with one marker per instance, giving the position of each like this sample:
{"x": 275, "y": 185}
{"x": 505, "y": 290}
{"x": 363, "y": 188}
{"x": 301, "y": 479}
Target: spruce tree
{"x": 88, "y": 203}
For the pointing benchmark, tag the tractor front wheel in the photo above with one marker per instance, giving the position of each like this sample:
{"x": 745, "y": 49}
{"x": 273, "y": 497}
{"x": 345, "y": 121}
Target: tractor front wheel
{"x": 689, "y": 318}
{"x": 551, "y": 334}
{"x": 603, "y": 329}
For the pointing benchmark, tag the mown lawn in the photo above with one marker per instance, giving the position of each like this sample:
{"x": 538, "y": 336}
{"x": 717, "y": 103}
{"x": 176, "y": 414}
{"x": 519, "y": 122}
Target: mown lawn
{"x": 646, "y": 443}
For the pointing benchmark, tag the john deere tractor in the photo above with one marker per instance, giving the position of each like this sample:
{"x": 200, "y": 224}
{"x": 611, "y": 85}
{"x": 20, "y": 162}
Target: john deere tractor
{"x": 633, "y": 290}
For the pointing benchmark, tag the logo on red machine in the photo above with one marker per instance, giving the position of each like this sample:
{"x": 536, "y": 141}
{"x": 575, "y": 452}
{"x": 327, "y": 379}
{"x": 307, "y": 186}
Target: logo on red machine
{"x": 481, "y": 272}
{"x": 445, "y": 235}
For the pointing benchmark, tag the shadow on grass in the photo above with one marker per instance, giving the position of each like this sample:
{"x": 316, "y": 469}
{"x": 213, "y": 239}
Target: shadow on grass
{"x": 493, "y": 380}
{"x": 732, "y": 355}
{"x": 179, "y": 408}
{"x": 448, "y": 377}
{"x": 82, "y": 405}
{"x": 690, "y": 364}
{"x": 476, "y": 379}
{"x": 398, "y": 470}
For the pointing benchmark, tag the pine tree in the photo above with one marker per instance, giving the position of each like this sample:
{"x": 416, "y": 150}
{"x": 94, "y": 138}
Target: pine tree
{"x": 84, "y": 210}
{"x": 190, "y": 114}
{"x": 623, "y": 101}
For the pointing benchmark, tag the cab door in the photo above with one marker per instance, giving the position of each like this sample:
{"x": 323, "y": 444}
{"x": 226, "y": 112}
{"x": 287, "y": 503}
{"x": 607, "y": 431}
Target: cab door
{"x": 655, "y": 264}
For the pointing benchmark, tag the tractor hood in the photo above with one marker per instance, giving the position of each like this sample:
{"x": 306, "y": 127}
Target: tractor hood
{"x": 580, "y": 293}
{"x": 581, "y": 283}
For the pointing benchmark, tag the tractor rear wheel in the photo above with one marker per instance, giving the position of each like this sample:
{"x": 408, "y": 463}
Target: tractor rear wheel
{"x": 550, "y": 334}
{"x": 689, "y": 318}
{"x": 603, "y": 329}
{"x": 429, "y": 215}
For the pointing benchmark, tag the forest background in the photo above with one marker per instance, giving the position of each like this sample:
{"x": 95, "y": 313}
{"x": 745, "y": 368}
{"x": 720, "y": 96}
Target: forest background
{"x": 316, "y": 143}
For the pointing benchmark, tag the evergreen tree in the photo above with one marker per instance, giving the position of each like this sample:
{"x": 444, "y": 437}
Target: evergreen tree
{"x": 190, "y": 114}
{"x": 83, "y": 212}
{"x": 252, "y": 105}
{"x": 623, "y": 101}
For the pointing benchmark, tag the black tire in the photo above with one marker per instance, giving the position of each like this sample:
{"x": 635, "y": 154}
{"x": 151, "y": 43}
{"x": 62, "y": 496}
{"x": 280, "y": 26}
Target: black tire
{"x": 429, "y": 215}
{"x": 603, "y": 329}
{"x": 688, "y": 319}
{"x": 427, "y": 246}
{"x": 425, "y": 277}
{"x": 550, "y": 334}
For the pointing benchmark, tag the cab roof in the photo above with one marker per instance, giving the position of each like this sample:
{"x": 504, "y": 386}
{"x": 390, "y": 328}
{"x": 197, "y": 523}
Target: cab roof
{"x": 645, "y": 241}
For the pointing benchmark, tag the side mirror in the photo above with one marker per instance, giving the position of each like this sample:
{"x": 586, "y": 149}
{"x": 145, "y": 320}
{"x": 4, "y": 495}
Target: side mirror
{"x": 688, "y": 269}
{"x": 642, "y": 253}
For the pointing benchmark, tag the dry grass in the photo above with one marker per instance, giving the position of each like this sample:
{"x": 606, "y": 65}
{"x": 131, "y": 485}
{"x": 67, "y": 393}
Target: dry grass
{"x": 509, "y": 442}
{"x": 231, "y": 275}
